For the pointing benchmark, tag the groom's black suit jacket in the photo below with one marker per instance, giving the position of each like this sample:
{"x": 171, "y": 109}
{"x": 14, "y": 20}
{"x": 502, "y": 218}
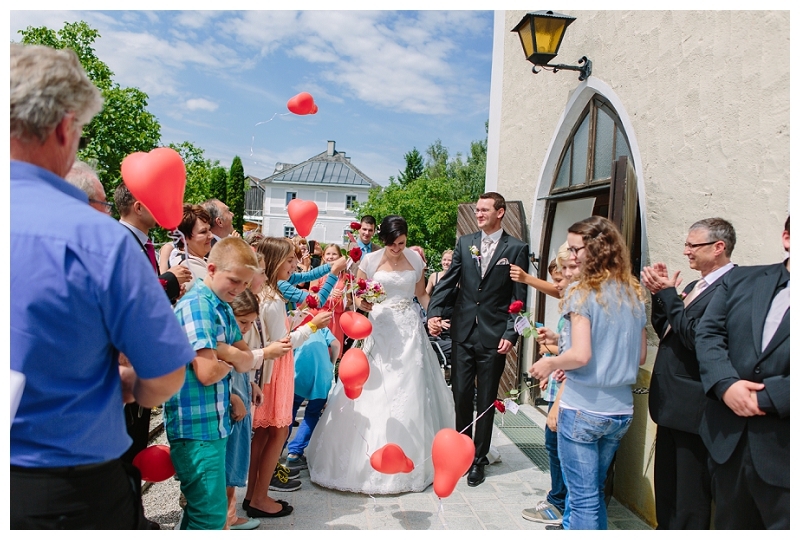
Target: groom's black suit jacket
{"x": 728, "y": 344}
{"x": 482, "y": 299}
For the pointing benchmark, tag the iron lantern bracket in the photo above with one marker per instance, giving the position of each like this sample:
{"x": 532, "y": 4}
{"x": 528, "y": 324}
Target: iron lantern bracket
{"x": 585, "y": 70}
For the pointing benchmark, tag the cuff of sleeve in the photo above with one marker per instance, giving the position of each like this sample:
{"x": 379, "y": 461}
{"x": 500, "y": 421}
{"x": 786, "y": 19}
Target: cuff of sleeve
{"x": 764, "y": 402}
{"x": 258, "y": 358}
{"x": 722, "y": 386}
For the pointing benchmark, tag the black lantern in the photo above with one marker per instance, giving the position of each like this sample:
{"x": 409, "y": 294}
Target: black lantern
{"x": 541, "y": 33}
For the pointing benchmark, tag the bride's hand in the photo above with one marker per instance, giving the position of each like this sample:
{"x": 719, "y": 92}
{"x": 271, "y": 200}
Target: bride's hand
{"x": 363, "y": 305}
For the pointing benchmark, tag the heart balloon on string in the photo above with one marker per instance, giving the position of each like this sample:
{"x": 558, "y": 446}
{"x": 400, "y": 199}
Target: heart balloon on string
{"x": 390, "y": 459}
{"x": 452, "y": 455}
{"x": 157, "y": 179}
{"x": 353, "y": 372}
{"x": 303, "y": 215}
{"x": 302, "y": 104}
{"x": 355, "y": 325}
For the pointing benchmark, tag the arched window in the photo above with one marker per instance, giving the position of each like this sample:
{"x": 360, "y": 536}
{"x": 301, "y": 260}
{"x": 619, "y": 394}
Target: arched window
{"x": 596, "y": 142}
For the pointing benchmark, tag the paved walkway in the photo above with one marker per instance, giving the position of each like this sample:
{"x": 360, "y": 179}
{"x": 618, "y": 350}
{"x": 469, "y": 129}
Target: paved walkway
{"x": 511, "y": 485}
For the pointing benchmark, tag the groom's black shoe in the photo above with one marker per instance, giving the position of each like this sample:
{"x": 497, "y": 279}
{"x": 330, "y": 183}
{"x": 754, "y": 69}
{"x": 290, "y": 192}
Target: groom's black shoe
{"x": 476, "y": 476}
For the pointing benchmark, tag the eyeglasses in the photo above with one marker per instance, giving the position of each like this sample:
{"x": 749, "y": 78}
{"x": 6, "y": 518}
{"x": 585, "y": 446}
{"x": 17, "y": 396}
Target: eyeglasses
{"x": 481, "y": 211}
{"x": 695, "y": 246}
{"x": 107, "y": 206}
{"x": 575, "y": 250}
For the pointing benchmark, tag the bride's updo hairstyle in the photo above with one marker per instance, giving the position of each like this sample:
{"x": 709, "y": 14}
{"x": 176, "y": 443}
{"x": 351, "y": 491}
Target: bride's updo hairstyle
{"x": 392, "y": 227}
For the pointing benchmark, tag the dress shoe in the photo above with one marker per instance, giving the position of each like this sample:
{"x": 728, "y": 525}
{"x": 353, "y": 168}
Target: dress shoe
{"x": 476, "y": 476}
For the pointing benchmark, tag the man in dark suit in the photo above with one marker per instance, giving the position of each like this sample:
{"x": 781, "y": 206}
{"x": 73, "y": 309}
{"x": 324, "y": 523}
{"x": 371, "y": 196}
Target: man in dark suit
{"x": 481, "y": 328}
{"x": 742, "y": 346}
{"x": 677, "y": 400}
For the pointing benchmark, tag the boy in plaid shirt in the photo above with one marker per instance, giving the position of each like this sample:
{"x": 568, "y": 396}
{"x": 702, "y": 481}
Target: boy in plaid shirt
{"x": 197, "y": 420}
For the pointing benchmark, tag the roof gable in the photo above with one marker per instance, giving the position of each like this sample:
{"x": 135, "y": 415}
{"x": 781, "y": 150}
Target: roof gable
{"x": 324, "y": 169}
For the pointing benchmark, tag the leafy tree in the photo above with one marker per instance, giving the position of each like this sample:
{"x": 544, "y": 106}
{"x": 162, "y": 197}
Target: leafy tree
{"x": 124, "y": 125}
{"x": 414, "y": 167}
{"x": 219, "y": 184}
{"x": 430, "y": 202}
{"x": 236, "y": 190}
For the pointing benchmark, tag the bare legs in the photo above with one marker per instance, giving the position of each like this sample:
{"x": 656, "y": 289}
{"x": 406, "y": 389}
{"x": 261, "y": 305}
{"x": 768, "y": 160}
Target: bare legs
{"x": 264, "y": 453}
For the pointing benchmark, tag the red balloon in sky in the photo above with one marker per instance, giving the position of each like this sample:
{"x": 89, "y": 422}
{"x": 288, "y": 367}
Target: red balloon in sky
{"x": 301, "y": 104}
{"x": 314, "y": 109}
{"x": 157, "y": 179}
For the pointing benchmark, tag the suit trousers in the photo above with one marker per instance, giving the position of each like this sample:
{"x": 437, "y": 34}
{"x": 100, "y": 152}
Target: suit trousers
{"x": 682, "y": 481}
{"x": 471, "y": 360}
{"x": 137, "y": 422}
{"x": 744, "y": 500}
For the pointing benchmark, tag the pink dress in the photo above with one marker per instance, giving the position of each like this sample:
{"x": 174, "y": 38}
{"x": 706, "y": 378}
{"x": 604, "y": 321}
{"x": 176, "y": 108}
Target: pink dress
{"x": 276, "y": 410}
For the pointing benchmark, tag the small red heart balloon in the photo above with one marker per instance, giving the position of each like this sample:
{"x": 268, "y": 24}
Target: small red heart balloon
{"x": 303, "y": 215}
{"x": 154, "y": 463}
{"x": 301, "y": 104}
{"x": 353, "y": 372}
{"x": 157, "y": 179}
{"x": 390, "y": 459}
{"x": 452, "y": 455}
{"x": 355, "y": 325}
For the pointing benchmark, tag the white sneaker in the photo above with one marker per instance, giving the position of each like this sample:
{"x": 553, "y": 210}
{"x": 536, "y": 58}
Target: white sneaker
{"x": 543, "y": 513}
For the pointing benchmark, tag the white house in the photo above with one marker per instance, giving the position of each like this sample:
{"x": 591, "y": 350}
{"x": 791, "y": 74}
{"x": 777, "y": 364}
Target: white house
{"x": 329, "y": 179}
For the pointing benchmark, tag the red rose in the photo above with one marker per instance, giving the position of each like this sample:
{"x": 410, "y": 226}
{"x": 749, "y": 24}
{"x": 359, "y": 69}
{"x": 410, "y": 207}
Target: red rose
{"x": 315, "y": 289}
{"x": 355, "y": 254}
{"x": 311, "y": 302}
{"x": 349, "y": 277}
{"x": 362, "y": 284}
{"x": 499, "y": 405}
{"x": 515, "y": 306}
{"x": 355, "y": 225}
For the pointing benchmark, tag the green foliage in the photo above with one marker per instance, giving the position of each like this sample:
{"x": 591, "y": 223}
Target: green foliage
{"x": 219, "y": 184}
{"x": 124, "y": 126}
{"x": 236, "y": 190}
{"x": 430, "y": 201}
{"x": 414, "y": 167}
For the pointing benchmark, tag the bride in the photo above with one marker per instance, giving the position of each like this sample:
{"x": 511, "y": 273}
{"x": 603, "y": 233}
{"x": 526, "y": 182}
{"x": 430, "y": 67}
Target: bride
{"x": 405, "y": 401}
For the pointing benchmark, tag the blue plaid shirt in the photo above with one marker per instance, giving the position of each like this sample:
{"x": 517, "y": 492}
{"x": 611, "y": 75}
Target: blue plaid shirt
{"x": 201, "y": 412}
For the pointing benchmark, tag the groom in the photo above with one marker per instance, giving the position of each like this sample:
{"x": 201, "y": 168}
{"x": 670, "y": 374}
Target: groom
{"x": 481, "y": 327}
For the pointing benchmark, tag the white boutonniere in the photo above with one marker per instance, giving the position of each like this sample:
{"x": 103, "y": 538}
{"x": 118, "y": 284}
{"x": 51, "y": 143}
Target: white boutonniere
{"x": 476, "y": 253}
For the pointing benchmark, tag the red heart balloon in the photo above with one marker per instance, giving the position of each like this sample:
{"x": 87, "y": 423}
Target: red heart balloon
{"x": 157, "y": 179}
{"x": 154, "y": 463}
{"x": 301, "y": 104}
{"x": 355, "y": 325}
{"x": 390, "y": 459}
{"x": 303, "y": 215}
{"x": 452, "y": 455}
{"x": 353, "y": 372}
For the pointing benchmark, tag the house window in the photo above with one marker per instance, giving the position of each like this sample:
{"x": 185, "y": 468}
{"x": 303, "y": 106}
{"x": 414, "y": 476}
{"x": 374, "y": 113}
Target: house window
{"x": 288, "y": 231}
{"x": 350, "y": 201}
{"x": 597, "y": 141}
{"x": 290, "y": 196}
{"x": 345, "y": 238}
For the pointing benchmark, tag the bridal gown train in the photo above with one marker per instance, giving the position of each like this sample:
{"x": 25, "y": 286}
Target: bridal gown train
{"x": 405, "y": 400}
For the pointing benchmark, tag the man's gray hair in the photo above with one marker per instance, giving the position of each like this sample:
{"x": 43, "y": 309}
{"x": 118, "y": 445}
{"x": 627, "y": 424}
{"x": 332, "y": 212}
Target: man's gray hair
{"x": 211, "y": 207}
{"x": 46, "y": 84}
{"x": 82, "y": 176}
{"x": 718, "y": 229}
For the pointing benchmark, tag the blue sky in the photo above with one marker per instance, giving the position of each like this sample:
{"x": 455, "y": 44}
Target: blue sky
{"x": 384, "y": 81}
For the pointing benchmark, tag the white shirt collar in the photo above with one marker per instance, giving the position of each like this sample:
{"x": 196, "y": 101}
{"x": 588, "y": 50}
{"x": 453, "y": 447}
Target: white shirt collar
{"x": 718, "y": 273}
{"x": 139, "y": 234}
{"x": 495, "y": 236}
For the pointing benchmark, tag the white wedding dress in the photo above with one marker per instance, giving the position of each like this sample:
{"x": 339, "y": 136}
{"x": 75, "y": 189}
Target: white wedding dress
{"x": 405, "y": 400}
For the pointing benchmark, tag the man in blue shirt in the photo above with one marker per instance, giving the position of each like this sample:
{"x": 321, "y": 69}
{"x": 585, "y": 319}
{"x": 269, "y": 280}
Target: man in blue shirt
{"x": 81, "y": 294}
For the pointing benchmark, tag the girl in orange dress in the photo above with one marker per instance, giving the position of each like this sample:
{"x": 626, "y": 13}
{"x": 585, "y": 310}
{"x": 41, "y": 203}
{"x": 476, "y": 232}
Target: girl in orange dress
{"x": 271, "y": 420}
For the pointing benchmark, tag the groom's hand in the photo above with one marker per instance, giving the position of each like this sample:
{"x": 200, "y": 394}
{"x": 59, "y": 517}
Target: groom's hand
{"x": 504, "y": 346}
{"x": 435, "y": 325}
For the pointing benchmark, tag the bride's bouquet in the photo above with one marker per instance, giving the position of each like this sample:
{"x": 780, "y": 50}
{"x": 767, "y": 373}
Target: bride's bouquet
{"x": 368, "y": 290}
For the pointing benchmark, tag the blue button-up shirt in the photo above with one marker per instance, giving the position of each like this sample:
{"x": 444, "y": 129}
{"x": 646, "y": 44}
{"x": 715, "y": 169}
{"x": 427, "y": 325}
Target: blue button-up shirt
{"x": 80, "y": 292}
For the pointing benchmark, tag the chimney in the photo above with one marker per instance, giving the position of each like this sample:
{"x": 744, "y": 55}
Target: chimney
{"x": 331, "y": 148}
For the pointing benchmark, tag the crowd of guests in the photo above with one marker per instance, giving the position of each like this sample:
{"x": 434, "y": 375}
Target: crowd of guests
{"x": 218, "y": 341}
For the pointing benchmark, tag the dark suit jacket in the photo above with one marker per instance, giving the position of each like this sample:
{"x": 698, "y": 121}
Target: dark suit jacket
{"x": 677, "y": 399}
{"x": 172, "y": 287}
{"x": 728, "y": 344}
{"x": 485, "y": 300}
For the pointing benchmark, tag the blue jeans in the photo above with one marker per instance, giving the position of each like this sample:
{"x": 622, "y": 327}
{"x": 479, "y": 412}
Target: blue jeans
{"x": 313, "y": 412}
{"x": 586, "y": 446}
{"x": 558, "y": 490}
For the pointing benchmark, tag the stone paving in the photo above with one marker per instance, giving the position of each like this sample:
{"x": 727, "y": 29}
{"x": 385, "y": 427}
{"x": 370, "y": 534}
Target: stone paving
{"x": 511, "y": 485}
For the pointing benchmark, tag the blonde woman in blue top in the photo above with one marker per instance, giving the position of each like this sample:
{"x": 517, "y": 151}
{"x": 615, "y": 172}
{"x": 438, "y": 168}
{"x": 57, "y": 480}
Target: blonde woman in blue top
{"x": 605, "y": 343}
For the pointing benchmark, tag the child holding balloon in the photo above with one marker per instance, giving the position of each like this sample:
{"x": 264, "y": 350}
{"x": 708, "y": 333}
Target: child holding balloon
{"x": 271, "y": 420}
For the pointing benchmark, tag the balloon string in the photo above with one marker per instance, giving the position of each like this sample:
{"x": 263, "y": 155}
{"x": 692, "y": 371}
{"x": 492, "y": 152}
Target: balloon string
{"x": 478, "y": 418}
{"x": 440, "y": 513}
{"x": 253, "y": 139}
{"x": 177, "y": 235}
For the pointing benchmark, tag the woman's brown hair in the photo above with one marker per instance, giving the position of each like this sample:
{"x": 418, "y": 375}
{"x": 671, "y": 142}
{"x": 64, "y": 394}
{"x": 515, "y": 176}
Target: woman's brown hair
{"x": 191, "y": 213}
{"x": 607, "y": 258}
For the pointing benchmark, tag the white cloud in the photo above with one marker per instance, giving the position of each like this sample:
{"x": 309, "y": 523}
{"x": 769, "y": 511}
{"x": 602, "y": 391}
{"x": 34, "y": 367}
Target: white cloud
{"x": 200, "y": 104}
